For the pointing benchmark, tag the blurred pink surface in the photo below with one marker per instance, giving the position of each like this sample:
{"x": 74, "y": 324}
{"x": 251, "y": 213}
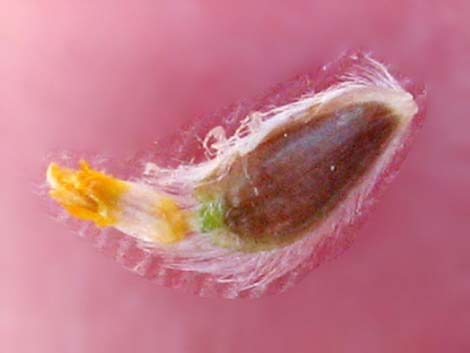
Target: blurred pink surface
{"x": 113, "y": 76}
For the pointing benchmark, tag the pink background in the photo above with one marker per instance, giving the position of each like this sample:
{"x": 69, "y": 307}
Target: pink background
{"x": 114, "y": 76}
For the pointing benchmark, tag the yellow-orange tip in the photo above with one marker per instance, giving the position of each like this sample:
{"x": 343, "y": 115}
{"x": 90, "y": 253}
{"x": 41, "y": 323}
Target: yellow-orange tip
{"x": 86, "y": 193}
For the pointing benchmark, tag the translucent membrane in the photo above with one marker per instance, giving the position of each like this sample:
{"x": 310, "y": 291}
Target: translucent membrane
{"x": 282, "y": 193}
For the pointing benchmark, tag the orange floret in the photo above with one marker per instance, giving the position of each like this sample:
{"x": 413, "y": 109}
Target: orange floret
{"x": 86, "y": 193}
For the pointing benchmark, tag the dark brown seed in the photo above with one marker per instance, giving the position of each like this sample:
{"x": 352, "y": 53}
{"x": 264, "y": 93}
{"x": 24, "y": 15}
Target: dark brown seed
{"x": 301, "y": 172}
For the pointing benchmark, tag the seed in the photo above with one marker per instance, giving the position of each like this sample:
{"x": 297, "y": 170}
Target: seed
{"x": 300, "y": 173}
